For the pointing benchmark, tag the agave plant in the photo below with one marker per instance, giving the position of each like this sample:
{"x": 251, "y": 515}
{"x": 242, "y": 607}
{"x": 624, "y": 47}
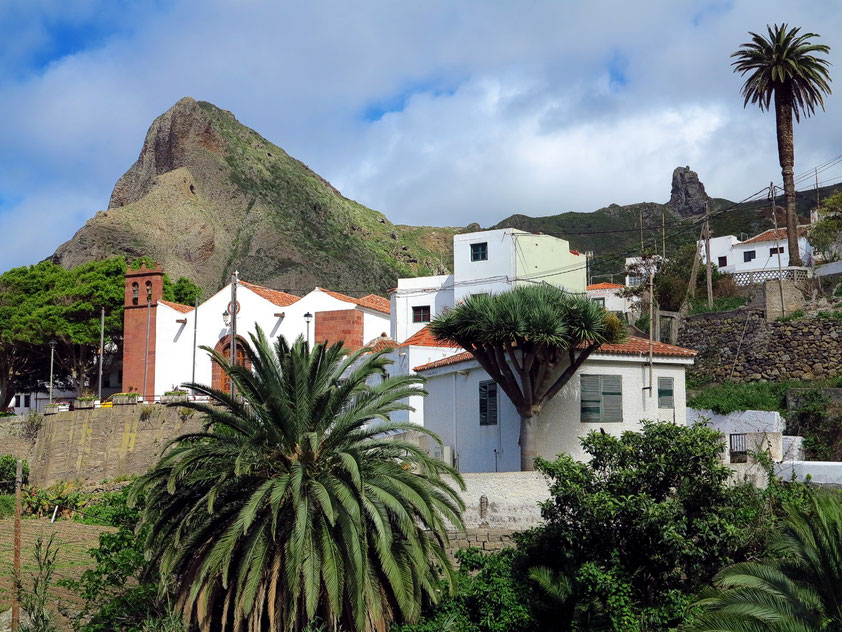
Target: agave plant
{"x": 799, "y": 590}
{"x": 292, "y": 505}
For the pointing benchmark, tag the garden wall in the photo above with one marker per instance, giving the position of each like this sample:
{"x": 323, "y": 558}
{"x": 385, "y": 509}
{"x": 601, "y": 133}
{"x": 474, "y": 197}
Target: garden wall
{"x": 805, "y": 349}
{"x": 93, "y": 445}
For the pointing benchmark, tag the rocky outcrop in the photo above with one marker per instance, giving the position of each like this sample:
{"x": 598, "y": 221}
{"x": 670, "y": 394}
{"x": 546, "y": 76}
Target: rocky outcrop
{"x": 207, "y": 195}
{"x": 687, "y": 196}
{"x": 741, "y": 346}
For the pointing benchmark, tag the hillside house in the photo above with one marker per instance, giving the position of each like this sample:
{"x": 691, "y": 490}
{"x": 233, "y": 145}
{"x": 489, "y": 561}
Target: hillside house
{"x": 609, "y": 296}
{"x": 755, "y": 260}
{"x": 486, "y": 262}
{"x": 321, "y": 315}
{"x": 479, "y": 426}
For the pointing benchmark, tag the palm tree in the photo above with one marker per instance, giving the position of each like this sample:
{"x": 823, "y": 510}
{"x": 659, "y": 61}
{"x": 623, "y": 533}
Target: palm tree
{"x": 783, "y": 67}
{"x": 799, "y": 590}
{"x": 291, "y": 506}
{"x": 530, "y": 340}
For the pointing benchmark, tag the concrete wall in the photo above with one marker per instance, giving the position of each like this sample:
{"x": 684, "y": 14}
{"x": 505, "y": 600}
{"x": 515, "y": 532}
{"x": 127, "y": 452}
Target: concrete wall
{"x": 548, "y": 259}
{"x": 451, "y": 410}
{"x": 793, "y": 299}
{"x": 433, "y": 291}
{"x": 504, "y": 500}
{"x": 739, "y": 422}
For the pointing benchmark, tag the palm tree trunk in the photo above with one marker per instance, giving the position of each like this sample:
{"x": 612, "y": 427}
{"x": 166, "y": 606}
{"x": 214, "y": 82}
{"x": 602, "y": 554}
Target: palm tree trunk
{"x": 786, "y": 157}
{"x": 528, "y": 442}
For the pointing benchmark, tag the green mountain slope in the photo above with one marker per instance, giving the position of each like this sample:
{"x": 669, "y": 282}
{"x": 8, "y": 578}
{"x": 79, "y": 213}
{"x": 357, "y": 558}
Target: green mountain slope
{"x": 209, "y": 195}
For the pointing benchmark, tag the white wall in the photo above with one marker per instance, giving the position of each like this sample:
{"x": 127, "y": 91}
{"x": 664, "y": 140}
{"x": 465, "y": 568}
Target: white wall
{"x": 452, "y": 411}
{"x": 734, "y": 251}
{"x": 612, "y": 300}
{"x": 433, "y": 291}
{"x": 492, "y": 276}
{"x": 404, "y": 360}
{"x": 174, "y": 341}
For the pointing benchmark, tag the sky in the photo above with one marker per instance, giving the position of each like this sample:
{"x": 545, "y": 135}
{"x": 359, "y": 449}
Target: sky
{"x": 441, "y": 112}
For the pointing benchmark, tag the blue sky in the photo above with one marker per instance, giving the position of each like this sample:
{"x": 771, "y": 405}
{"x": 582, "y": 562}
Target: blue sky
{"x": 440, "y": 112}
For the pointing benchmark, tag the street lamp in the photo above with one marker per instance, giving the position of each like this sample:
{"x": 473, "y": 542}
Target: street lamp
{"x": 226, "y": 318}
{"x": 307, "y": 318}
{"x": 52, "y": 356}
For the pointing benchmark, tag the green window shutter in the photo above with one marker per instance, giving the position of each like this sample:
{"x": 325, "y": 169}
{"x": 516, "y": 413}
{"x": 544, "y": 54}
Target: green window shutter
{"x": 612, "y": 398}
{"x": 488, "y": 403}
{"x": 665, "y": 393}
{"x": 590, "y": 387}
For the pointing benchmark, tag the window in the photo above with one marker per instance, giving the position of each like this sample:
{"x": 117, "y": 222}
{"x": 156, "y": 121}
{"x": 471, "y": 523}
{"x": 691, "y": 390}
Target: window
{"x": 421, "y": 314}
{"x": 722, "y": 262}
{"x": 17, "y": 401}
{"x": 479, "y": 252}
{"x": 665, "y": 393}
{"x": 749, "y": 255}
{"x": 27, "y": 401}
{"x": 488, "y": 403}
{"x": 602, "y": 398}
{"x": 599, "y": 301}
{"x": 774, "y": 251}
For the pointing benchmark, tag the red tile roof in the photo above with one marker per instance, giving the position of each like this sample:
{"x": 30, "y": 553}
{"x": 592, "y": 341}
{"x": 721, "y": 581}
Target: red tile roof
{"x": 370, "y": 301}
{"x": 177, "y": 306}
{"x": 634, "y": 346}
{"x": 425, "y": 338}
{"x": 605, "y": 286}
{"x": 382, "y": 343}
{"x": 769, "y": 235}
{"x": 276, "y": 297}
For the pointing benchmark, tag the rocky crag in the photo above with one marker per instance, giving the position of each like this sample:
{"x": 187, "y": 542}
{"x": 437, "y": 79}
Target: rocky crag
{"x": 208, "y": 195}
{"x": 687, "y": 196}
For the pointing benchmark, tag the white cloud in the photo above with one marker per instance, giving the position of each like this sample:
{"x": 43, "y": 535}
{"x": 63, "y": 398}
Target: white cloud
{"x": 514, "y": 108}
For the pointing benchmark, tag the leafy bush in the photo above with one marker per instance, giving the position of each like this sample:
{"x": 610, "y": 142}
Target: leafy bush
{"x": 819, "y": 421}
{"x": 643, "y": 525}
{"x": 834, "y": 315}
{"x": 7, "y": 505}
{"x": 32, "y": 424}
{"x": 720, "y": 304}
{"x": 8, "y": 472}
{"x": 796, "y": 315}
{"x": 108, "y": 509}
{"x": 730, "y": 397}
{"x": 35, "y": 602}
{"x": 492, "y": 595}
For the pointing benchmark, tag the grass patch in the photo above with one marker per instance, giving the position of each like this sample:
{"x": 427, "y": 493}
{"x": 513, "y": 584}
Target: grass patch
{"x": 720, "y": 304}
{"x": 796, "y": 315}
{"x": 834, "y": 315}
{"x": 731, "y": 397}
{"x": 7, "y": 505}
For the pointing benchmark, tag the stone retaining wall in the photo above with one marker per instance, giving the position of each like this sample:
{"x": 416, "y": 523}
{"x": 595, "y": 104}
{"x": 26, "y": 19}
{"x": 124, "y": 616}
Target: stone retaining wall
{"x": 486, "y": 539}
{"x": 806, "y": 349}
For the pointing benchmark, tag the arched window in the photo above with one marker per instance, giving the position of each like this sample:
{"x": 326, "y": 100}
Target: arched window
{"x": 135, "y": 292}
{"x": 239, "y": 360}
{"x": 149, "y": 291}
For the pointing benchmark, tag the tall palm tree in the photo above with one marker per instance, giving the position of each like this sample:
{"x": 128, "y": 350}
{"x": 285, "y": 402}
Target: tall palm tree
{"x": 291, "y": 506}
{"x": 530, "y": 340}
{"x": 784, "y": 67}
{"x": 799, "y": 590}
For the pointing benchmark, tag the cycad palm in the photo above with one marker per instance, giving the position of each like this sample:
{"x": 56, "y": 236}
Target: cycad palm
{"x": 800, "y": 591}
{"x": 783, "y": 67}
{"x": 291, "y": 505}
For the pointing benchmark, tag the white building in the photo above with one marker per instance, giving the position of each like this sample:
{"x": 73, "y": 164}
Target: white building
{"x": 486, "y": 262}
{"x": 321, "y": 315}
{"x": 479, "y": 425}
{"x": 609, "y": 296}
{"x": 756, "y": 259}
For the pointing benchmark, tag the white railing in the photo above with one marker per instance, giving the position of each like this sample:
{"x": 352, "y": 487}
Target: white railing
{"x": 790, "y": 273}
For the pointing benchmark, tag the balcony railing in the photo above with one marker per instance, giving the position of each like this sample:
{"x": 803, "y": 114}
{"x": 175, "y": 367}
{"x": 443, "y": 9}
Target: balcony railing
{"x": 790, "y": 273}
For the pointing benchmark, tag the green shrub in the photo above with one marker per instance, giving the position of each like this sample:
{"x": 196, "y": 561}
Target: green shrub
{"x": 8, "y": 471}
{"x": 492, "y": 595}
{"x": 720, "y": 304}
{"x": 731, "y": 396}
{"x": 834, "y": 315}
{"x": 7, "y": 505}
{"x": 796, "y": 315}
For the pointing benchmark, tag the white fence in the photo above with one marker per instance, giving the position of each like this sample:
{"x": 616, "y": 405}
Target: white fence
{"x": 790, "y": 273}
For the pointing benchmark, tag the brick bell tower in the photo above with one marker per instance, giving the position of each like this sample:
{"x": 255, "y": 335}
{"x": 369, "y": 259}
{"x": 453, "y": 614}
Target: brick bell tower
{"x": 144, "y": 288}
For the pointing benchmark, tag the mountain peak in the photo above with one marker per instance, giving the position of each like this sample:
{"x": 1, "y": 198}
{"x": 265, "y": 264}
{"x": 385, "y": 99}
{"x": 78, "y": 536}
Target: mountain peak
{"x": 688, "y": 195}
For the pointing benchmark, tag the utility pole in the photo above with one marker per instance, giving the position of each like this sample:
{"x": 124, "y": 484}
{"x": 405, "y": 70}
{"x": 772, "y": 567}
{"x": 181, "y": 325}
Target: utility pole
{"x": 52, "y": 362}
{"x": 101, "y": 349}
{"x": 195, "y": 327}
{"x": 16, "y": 592}
{"x": 818, "y": 197}
{"x": 707, "y": 257}
{"x": 777, "y": 247}
{"x": 640, "y": 216}
{"x": 651, "y": 324}
{"x": 233, "y": 310}
{"x": 663, "y": 235}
